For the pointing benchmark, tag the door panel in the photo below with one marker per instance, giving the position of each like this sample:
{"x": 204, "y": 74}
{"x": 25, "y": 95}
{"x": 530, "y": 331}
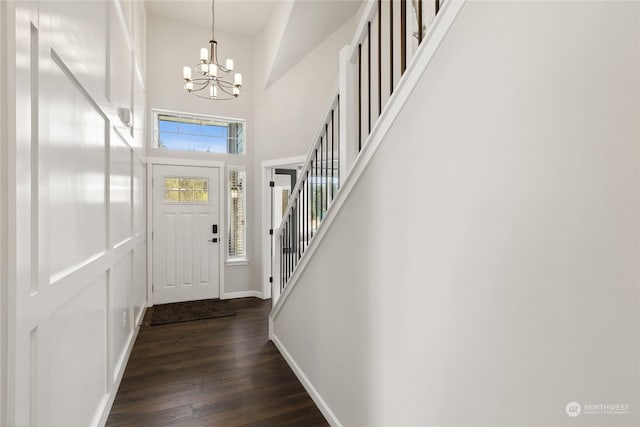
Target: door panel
{"x": 186, "y": 263}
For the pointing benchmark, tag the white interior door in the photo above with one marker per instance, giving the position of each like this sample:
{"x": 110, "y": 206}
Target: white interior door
{"x": 186, "y": 233}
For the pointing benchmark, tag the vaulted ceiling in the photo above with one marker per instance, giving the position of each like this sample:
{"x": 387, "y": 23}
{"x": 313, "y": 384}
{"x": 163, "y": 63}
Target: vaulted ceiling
{"x": 243, "y": 17}
{"x": 308, "y": 22}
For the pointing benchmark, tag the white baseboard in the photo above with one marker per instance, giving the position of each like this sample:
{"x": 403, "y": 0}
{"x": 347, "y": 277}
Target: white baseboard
{"x": 319, "y": 401}
{"x": 110, "y": 398}
{"x": 242, "y": 294}
{"x": 143, "y": 310}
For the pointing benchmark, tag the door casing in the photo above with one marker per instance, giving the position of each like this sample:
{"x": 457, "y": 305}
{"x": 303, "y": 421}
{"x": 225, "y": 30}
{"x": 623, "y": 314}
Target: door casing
{"x": 221, "y": 166}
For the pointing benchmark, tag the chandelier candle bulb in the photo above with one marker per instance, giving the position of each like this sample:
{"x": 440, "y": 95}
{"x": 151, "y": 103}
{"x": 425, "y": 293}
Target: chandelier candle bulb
{"x": 236, "y": 91}
{"x": 237, "y": 79}
{"x": 186, "y": 73}
{"x": 230, "y": 64}
{"x": 204, "y": 54}
{"x": 211, "y": 91}
{"x": 213, "y": 70}
{"x": 188, "y": 86}
{"x": 214, "y": 91}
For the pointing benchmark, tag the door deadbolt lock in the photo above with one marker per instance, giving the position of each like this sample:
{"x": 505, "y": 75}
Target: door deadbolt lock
{"x": 214, "y": 240}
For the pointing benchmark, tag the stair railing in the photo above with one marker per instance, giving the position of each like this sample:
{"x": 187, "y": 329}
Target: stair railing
{"x": 316, "y": 187}
{"x": 387, "y": 37}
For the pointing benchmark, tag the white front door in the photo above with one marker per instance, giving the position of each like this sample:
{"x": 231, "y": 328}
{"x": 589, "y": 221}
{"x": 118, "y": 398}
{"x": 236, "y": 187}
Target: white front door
{"x": 186, "y": 233}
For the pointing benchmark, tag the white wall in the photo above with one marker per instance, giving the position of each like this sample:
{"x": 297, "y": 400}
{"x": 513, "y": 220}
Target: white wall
{"x": 484, "y": 270}
{"x": 281, "y": 120}
{"x": 166, "y": 56}
{"x": 171, "y": 45}
{"x": 6, "y": 23}
{"x": 288, "y": 115}
{"x": 76, "y": 196}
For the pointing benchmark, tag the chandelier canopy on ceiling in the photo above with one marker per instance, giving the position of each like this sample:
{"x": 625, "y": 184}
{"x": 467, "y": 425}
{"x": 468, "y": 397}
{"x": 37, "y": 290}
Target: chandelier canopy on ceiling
{"x": 208, "y": 78}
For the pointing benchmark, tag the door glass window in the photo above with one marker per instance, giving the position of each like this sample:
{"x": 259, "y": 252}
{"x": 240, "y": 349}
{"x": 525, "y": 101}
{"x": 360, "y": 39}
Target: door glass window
{"x": 178, "y": 189}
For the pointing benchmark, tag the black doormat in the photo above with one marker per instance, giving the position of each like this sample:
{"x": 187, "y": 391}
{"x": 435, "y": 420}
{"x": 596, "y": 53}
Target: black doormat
{"x": 190, "y": 310}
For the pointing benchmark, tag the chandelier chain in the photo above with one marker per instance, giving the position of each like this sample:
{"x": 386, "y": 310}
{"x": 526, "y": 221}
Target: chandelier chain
{"x": 213, "y": 19}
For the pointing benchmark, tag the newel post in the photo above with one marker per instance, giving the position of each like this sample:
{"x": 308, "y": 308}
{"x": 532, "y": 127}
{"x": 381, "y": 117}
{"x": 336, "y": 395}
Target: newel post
{"x": 276, "y": 285}
{"x": 347, "y": 86}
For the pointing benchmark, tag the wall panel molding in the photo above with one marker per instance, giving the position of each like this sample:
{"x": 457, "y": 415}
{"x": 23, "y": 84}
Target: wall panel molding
{"x": 79, "y": 261}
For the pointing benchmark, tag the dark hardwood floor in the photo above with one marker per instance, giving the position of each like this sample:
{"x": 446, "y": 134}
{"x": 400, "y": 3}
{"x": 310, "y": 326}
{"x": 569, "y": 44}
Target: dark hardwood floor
{"x": 216, "y": 372}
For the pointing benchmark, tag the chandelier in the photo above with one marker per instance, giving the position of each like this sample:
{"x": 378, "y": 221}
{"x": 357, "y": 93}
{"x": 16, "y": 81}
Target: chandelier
{"x": 209, "y": 79}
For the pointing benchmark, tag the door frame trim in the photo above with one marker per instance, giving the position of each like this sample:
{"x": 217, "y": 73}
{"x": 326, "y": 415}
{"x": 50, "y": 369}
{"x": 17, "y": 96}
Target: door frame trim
{"x": 160, "y": 161}
{"x": 265, "y": 213}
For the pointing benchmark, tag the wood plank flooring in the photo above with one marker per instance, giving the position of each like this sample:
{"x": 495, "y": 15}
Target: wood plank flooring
{"x": 216, "y": 372}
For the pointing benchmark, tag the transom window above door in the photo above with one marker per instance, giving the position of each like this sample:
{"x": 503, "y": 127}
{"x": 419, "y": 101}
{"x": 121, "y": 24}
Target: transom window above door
{"x": 198, "y": 133}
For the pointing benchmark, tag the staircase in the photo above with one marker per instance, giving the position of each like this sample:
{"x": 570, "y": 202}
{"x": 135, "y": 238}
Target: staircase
{"x": 393, "y": 44}
{"x": 373, "y": 68}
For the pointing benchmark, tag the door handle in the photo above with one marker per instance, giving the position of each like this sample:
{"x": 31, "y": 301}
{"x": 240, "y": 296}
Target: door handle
{"x": 214, "y": 240}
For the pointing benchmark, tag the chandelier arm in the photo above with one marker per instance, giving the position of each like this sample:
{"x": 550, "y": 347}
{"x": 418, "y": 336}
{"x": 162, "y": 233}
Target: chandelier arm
{"x": 227, "y": 98}
{"x": 221, "y": 70}
{"x": 226, "y": 84}
{"x": 199, "y": 89}
{"x": 218, "y": 81}
{"x": 200, "y": 84}
{"x": 223, "y": 89}
{"x": 196, "y": 92}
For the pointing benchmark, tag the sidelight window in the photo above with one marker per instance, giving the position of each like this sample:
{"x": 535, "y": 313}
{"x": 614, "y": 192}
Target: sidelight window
{"x": 236, "y": 199}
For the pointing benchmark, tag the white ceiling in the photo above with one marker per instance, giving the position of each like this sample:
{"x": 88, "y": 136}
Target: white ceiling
{"x": 309, "y": 22}
{"x": 244, "y": 17}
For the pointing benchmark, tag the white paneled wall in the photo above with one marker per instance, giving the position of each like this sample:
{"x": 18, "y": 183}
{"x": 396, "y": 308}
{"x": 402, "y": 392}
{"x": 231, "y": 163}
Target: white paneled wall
{"x": 77, "y": 207}
{"x": 121, "y": 189}
{"x": 4, "y": 101}
{"x": 76, "y": 370}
